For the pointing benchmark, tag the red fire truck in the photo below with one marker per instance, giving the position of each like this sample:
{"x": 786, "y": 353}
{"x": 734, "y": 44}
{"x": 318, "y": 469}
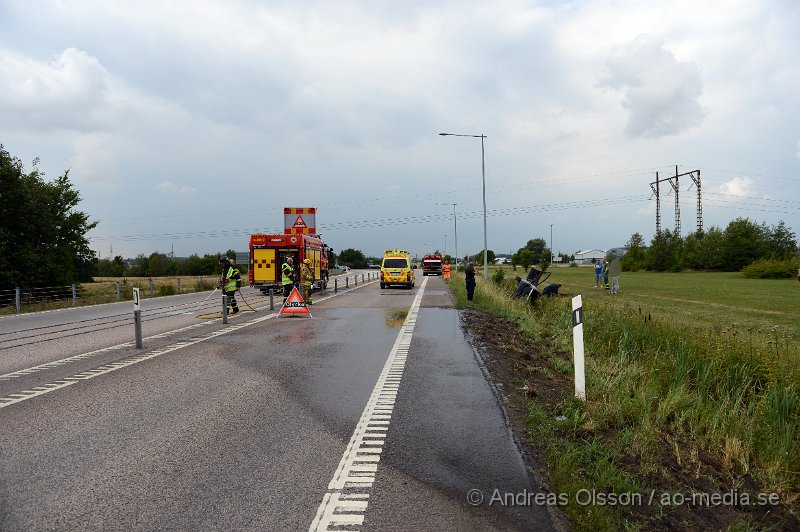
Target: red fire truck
{"x": 432, "y": 264}
{"x": 269, "y": 252}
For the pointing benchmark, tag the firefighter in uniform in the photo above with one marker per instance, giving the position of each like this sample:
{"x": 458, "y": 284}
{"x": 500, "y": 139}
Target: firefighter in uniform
{"x": 287, "y": 277}
{"x": 231, "y": 280}
{"x": 306, "y": 279}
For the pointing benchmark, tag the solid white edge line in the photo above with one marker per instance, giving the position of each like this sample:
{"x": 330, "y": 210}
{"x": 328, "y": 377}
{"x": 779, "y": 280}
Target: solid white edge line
{"x": 359, "y": 463}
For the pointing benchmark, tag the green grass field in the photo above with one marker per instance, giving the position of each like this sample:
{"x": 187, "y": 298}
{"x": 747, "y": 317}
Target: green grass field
{"x": 704, "y": 367}
{"x": 695, "y": 299}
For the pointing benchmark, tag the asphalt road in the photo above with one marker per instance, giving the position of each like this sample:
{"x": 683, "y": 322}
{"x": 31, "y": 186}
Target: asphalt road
{"x": 373, "y": 414}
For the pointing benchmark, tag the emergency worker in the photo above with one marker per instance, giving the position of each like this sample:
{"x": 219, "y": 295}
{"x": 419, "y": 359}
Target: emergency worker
{"x": 230, "y": 281}
{"x": 287, "y": 277}
{"x": 306, "y": 280}
{"x": 446, "y": 270}
{"x": 469, "y": 278}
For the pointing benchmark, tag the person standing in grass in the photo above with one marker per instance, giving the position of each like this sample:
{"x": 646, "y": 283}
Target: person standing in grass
{"x": 469, "y": 275}
{"x": 598, "y": 273}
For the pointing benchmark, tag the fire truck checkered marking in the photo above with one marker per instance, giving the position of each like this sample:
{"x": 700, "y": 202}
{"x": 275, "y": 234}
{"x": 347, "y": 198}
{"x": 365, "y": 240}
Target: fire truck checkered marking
{"x": 345, "y": 502}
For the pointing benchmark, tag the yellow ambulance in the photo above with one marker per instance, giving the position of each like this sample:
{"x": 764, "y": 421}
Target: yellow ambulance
{"x": 396, "y": 269}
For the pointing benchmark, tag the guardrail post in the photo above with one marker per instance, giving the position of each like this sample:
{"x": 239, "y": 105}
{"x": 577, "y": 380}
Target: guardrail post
{"x": 271, "y": 299}
{"x": 362, "y": 278}
{"x": 151, "y": 288}
{"x": 335, "y": 285}
{"x": 179, "y": 285}
{"x": 74, "y": 296}
{"x": 117, "y": 290}
{"x": 347, "y": 282}
{"x": 225, "y": 309}
{"x": 18, "y": 299}
{"x": 137, "y": 318}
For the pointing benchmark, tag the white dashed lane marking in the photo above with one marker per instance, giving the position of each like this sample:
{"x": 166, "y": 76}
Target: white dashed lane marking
{"x": 42, "y": 389}
{"x": 345, "y": 503}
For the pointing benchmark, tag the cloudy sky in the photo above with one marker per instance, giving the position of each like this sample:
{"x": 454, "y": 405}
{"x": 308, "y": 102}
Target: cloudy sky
{"x": 187, "y": 126}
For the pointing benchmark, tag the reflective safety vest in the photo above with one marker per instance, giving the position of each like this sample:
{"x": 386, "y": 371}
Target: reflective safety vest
{"x": 286, "y": 274}
{"x": 231, "y": 276}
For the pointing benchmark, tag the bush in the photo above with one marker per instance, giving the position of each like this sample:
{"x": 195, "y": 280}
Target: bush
{"x": 573, "y": 264}
{"x": 498, "y": 276}
{"x": 771, "y": 269}
{"x": 166, "y": 290}
{"x": 203, "y": 285}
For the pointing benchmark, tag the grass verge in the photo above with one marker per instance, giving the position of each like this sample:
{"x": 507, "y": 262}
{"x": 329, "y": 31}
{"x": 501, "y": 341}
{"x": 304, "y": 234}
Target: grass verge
{"x": 672, "y": 410}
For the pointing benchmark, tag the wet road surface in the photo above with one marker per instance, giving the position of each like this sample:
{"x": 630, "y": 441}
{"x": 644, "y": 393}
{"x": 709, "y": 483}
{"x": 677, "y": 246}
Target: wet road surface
{"x": 245, "y": 426}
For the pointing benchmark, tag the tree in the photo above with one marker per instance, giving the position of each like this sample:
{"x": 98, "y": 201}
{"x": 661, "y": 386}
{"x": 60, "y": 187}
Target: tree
{"x": 636, "y": 257}
{"x": 537, "y": 247}
{"x": 158, "y": 265}
{"x": 140, "y": 266}
{"x": 353, "y": 258}
{"x": 117, "y": 267}
{"x": 782, "y": 242}
{"x": 524, "y": 258}
{"x": 546, "y": 259}
{"x": 489, "y": 254}
{"x": 42, "y": 236}
{"x": 665, "y": 251}
{"x": 744, "y": 241}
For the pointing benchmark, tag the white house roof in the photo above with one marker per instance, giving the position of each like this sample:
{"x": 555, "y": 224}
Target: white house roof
{"x": 589, "y": 251}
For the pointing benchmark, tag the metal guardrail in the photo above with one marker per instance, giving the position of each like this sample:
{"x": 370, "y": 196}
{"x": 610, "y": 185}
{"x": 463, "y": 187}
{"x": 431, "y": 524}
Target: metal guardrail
{"x": 19, "y": 300}
{"x": 42, "y": 334}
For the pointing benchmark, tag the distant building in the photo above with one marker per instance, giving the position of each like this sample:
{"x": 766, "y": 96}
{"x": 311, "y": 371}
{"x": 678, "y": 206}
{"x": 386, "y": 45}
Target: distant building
{"x": 589, "y": 255}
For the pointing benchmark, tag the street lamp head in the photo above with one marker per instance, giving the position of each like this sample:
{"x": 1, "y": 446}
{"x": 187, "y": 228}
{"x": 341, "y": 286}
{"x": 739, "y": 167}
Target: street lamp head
{"x": 481, "y": 136}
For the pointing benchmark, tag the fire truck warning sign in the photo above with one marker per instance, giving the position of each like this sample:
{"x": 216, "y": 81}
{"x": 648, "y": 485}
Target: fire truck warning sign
{"x": 300, "y": 220}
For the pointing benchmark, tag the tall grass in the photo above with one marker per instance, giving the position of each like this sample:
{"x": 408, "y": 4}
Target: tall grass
{"x": 654, "y": 384}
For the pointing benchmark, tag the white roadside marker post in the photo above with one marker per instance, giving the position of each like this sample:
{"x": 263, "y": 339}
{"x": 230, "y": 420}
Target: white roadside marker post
{"x": 137, "y": 318}
{"x": 577, "y": 347}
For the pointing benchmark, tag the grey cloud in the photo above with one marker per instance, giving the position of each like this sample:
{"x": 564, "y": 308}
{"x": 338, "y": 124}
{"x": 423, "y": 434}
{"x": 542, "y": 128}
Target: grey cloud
{"x": 660, "y": 93}
{"x": 63, "y": 93}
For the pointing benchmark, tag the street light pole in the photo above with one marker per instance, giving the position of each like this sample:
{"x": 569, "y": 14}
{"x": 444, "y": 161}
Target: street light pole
{"x": 483, "y": 177}
{"x": 455, "y": 228}
{"x": 551, "y": 244}
{"x": 445, "y": 244}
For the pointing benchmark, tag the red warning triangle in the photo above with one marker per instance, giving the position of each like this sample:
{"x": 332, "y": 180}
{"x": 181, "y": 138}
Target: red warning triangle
{"x": 294, "y": 305}
{"x": 299, "y": 222}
